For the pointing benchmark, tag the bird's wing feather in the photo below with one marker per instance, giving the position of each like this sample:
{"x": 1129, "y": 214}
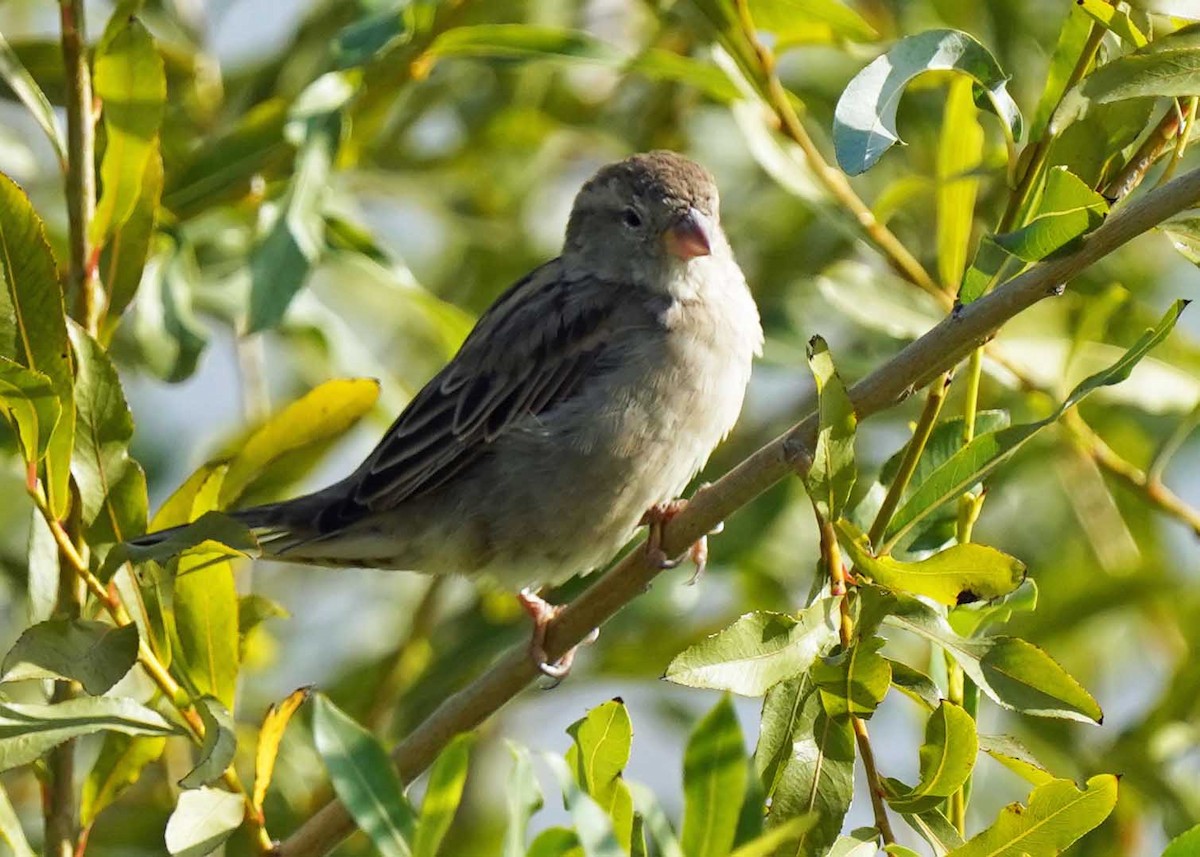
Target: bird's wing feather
{"x": 527, "y": 354}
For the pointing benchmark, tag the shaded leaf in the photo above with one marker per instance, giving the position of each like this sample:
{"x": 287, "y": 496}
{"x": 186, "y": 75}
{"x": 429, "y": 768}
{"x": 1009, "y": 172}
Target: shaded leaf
{"x": 442, "y": 795}
{"x": 202, "y": 820}
{"x": 29, "y": 403}
{"x": 973, "y": 619}
{"x": 915, "y": 684}
{"x": 656, "y": 822}
{"x": 1057, "y": 815}
{"x": 772, "y": 840}
{"x": 95, "y": 654}
{"x": 269, "y": 735}
{"x": 27, "y": 729}
{"x": 758, "y": 650}
{"x": 1068, "y": 209}
{"x": 521, "y": 40}
{"x": 360, "y": 41}
{"x": 10, "y": 828}
{"x": 124, "y": 257}
{"x": 855, "y": 681}
{"x": 170, "y": 337}
{"x": 593, "y": 828}
{"x": 213, "y": 533}
{"x": 1015, "y": 756}
{"x": 864, "y": 123}
{"x": 714, "y": 782}
{"x": 831, "y": 476}
{"x": 523, "y": 799}
{"x": 120, "y": 764}
{"x": 21, "y": 82}
{"x": 219, "y": 747}
{"x": 947, "y": 758}
{"x": 364, "y": 779}
{"x": 935, "y": 829}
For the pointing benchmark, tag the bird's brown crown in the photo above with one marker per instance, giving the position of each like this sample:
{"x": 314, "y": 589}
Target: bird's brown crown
{"x": 664, "y": 175}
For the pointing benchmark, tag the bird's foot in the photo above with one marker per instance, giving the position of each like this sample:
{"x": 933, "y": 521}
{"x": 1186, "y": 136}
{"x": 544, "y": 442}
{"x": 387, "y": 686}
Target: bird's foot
{"x": 658, "y": 515}
{"x": 543, "y": 613}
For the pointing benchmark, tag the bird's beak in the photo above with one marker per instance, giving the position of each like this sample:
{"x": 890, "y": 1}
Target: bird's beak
{"x": 687, "y": 237}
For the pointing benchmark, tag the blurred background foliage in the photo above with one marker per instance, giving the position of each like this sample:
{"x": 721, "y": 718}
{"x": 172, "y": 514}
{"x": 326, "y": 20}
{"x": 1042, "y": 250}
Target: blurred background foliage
{"x": 361, "y": 221}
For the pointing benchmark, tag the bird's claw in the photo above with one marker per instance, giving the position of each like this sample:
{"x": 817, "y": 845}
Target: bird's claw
{"x": 543, "y": 613}
{"x": 658, "y": 515}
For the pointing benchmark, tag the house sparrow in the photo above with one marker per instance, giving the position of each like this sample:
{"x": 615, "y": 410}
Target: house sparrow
{"x": 584, "y": 401}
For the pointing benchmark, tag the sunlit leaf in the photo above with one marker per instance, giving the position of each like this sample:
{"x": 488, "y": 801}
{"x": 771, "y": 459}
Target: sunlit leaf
{"x": 1015, "y": 756}
{"x": 124, "y": 257}
{"x": 1068, "y": 209}
{"x": 1058, "y": 814}
{"x": 122, "y": 760}
{"x": 859, "y": 843}
{"x": 854, "y": 681}
{"x": 269, "y": 735}
{"x": 602, "y": 741}
{"x": 1185, "y": 844}
{"x": 29, "y": 403}
{"x": 758, "y": 650}
{"x": 1069, "y": 47}
{"x": 864, "y": 123}
{"x": 1114, "y": 20}
{"x": 364, "y": 778}
{"x": 798, "y": 22}
{"x": 202, "y": 820}
{"x": 960, "y": 150}
{"x": 915, "y": 684}
{"x": 95, "y": 654}
{"x": 593, "y": 827}
{"x": 772, "y": 840}
{"x": 947, "y": 757}
{"x": 714, "y": 781}
{"x": 447, "y": 777}
{"x": 831, "y": 477}
{"x": 10, "y": 828}
{"x": 936, "y": 829}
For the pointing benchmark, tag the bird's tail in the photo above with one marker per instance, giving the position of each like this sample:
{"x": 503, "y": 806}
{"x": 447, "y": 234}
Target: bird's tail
{"x": 277, "y": 527}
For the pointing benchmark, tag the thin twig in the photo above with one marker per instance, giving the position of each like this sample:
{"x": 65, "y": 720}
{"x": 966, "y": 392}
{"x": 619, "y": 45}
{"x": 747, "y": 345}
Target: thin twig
{"x": 939, "y": 350}
{"x": 82, "y": 285}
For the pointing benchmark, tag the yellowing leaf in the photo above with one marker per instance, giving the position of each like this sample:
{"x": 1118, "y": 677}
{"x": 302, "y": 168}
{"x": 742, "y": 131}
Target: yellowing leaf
{"x": 269, "y": 736}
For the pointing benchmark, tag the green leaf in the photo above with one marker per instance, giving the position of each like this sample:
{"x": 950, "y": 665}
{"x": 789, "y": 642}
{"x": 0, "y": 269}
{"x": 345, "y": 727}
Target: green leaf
{"x": 1068, "y": 209}
{"x": 1185, "y": 844}
{"x": 864, "y": 122}
{"x": 521, "y": 41}
{"x": 714, "y": 782}
{"x": 987, "y": 451}
{"x": 777, "y": 837}
{"x": 656, "y": 822}
{"x": 202, "y": 820}
{"x": 206, "y": 625}
{"x": 1071, "y": 39}
{"x": 442, "y": 796}
{"x": 1015, "y": 756}
{"x": 29, "y": 403}
{"x": 132, "y": 87}
{"x": 280, "y": 264}
{"x": 599, "y": 754}
{"x": 944, "y": 441}
{"x": 33, "y": 328}
{"x": 855, "y": 681}
{"x": 959, "y": 154}
{"x": 555, "y": 842}
{"x": 21, "y": 82}
{"x": 972, "y": 619}
{"x": 111, "y": 485}
{"x": 10, "y": 828}
{"x": 170, "y": 337}
{"x": 327, "y": 411}
{"x": 523, "y": 799}
{"x": 781, "y": 712}
{"x": 1166, "y": 67}
{"x": 364, "y": 779}
{"x": 361, "y": 41}
{"x": 269, "y": 735}
{"x": 1058, "y": 814}
{"x": 915, "y": 684}
{"x": 593, "y": 828}
{"x": 120, "y": 764}
{"x": 860, "y": 843}
{"x": 28, "y": 730}
{"x": 124, "y": 257}
{"x": 95, "y": 654}
{"x": 947, "y": 758}
{"x": 935, "y": 829}
{"x": 960, "y": 574}
{"x": 1114, "y": 20}
{"x": 219, "y": 747}
{"x": 818, "y": 774}
{"x": 1014, "y": 673}
{"x": 800, "y": 22}
{"x": 758, "y": 650}
{"x": 831, "y": 477}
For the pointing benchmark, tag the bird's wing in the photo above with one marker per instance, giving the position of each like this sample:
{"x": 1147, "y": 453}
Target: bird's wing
{"x": 527, "y": 354}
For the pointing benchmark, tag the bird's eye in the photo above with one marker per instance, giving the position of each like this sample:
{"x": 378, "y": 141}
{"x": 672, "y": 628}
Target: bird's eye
{"x": 631, "y": 218}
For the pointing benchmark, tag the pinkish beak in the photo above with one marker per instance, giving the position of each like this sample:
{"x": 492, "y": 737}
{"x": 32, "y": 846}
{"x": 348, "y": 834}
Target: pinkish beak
{"x": 687, "y": 237}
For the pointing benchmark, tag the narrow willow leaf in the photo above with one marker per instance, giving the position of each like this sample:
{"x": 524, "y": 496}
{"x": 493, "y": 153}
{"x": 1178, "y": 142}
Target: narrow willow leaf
{"x": 915, "y": 684}
{"x": 602, "y": 741}
{"x": 859, "y": 843}
{"x": 1067, "y": 210}
{"x": 864, "y": 122}
{"x": 523, "y": 799}
{"x": 758, "y": 650}
{"x": 95, "y": 654}
{"x": 131, "y": 84}
{"x": 1058, "y": 814}
{"x": 27, "y": 730}
{"x": 593, "y": 828}
{"x": 522, "y": 40}
{"x": 33, "y": 327}
{"x": 280, "y": 265}
{"x": 360, "y": 41}
{"x": 1015, "y": 756}
{"x": 1067, "y": 50}
{"x": 111, "y": 484}
{"x": 960, "y": 574}
{"x": 945, "y": 440}
{"x": 555, "y": 842}
{"x": 657, "y": 824}
{"x": 219, "y": 747}
{"x": 803, "y": 22}
{"x": 1114, "y": 20}
{"x": 947, "y": 758}
{"x": 987, "y": 451}
{"x": 203, "y": 819}
{"x": 327, "y": 411}
{"x": 269, "y": 735}
{"x": 960, "y": 151}
{"x": 43, "y": 569}
{"x": 442, "y": 796}
{"x": 206, "y": 625}
{"x": 21, "y": 82}
{"x": 771, "y": 841}
{"x": 10, "y": 828}
{"x": 853, "y": 682}
{"x": 818, "y": 776}
{"x": 1166, "y": 67}
{"x": 985, "y": 272}
{"x": 936, "y": 829}
{"x": 781, "y": 712}
{"x": 1185, "y": 844}
{"x": 29, "y": 403}
{"x": 1018, "y": 675}
{"x": 714, "y": 782}
{"x": 364, "y": 779}
{"x": 123, "y": 259}
{"x": 831, "y": 476}
{"x": 120, "y": 764}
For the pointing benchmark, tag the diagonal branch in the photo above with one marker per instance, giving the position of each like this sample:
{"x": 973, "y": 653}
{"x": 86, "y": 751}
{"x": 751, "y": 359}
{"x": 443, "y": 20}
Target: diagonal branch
{"x": 915, "y": 366}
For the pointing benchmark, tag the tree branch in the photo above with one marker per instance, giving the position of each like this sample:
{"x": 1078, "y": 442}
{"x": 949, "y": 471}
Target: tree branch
{"x": 915, "y": 366}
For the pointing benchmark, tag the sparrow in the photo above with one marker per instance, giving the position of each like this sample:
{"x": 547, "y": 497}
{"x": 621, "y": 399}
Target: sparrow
{"x": 579, "y": 407}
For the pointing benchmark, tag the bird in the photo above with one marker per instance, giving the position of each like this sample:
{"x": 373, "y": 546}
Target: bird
{"x": 578, "y": 408}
